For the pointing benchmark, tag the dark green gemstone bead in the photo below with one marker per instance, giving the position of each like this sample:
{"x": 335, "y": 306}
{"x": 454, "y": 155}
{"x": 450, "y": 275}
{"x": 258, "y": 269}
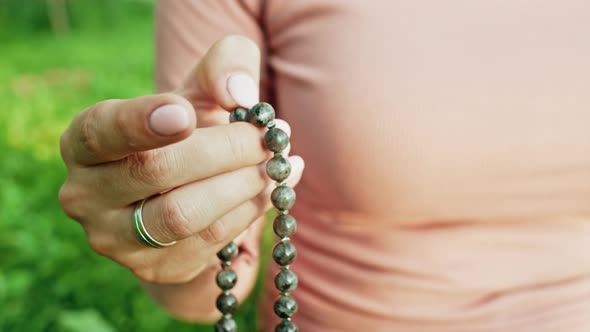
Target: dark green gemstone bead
{"x": 286, "y": 281}
{"x": 239, "y": 114}
{"x": 229, "y": 252}
{"x": 226, "y": 303}
{"x": 261, "y": 114}
{"x": 226, "y": 279}
{"x": 283, "y": 197}
{"x": 284, "y": 253}
{"x": 284, "y": 225}
{"x": 286, "y": 326}
{"x": 278, "y": 168}
{"x": 226, "y": 325}
{"x": 285, "y": 306}
{"x": 276, "y": 140}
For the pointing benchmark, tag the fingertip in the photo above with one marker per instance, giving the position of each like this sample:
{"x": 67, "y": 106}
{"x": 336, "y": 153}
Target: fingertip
{"x": 228, "y": 74}
{"x": 297, "y": 166}
{"x": 297, "y": 162}
{"x": 287, "y": 150}
{"x": 283, "y": 125}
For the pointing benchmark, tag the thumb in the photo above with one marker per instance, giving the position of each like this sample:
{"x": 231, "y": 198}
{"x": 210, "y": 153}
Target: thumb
{"x": 227, "y": 76}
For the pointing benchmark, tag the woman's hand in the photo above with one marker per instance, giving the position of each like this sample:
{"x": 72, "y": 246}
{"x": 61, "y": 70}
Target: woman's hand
{"x": 205, "y": 185}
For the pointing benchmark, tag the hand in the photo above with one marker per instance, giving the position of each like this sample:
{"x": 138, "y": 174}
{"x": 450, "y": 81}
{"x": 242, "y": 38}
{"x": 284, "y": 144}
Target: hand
{"x": 205, "y": 178}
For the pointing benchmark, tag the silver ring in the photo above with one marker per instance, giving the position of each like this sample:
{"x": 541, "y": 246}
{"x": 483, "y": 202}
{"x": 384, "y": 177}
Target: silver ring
{"x": 142, "y": 232}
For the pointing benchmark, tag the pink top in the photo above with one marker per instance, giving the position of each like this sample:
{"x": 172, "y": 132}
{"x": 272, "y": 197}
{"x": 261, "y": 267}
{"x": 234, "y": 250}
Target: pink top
{"x": 447, "y": 149}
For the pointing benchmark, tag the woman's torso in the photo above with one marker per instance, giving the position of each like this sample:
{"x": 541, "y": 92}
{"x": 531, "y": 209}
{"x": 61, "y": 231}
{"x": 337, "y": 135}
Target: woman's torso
{"x": 447, "y": 149}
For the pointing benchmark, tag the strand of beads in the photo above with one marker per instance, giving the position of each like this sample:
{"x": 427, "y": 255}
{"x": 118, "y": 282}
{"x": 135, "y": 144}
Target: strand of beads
{"x": 282, "y": 197}
{"x": 226, "y": 279}
{"x": 284, "y": 226}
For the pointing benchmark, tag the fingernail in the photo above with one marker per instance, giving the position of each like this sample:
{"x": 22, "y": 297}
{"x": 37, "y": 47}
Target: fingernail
{"x": 243, "y": 89}
{"x": 169, "y": 120}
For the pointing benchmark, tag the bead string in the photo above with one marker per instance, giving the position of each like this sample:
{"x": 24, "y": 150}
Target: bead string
{"x": 226, "y": 279}
{"x": 282, "y": 197}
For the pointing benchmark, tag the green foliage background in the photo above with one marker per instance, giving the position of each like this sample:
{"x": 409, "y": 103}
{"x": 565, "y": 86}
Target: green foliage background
{"x": 49, "y": 279}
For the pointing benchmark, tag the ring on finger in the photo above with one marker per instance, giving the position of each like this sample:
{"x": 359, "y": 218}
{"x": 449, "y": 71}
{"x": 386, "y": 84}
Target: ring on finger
{"x": 142, "y": 233}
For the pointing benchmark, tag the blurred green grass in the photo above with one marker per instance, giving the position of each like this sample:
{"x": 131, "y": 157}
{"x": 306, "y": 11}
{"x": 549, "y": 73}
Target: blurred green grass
{"x": 49, "y": 278}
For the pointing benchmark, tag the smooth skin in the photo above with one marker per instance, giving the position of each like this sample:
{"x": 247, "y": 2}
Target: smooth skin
{"x": 204, "y": 178}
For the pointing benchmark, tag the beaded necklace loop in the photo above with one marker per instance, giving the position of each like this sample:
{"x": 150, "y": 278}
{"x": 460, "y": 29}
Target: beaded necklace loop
{"x": 283, "y": 198}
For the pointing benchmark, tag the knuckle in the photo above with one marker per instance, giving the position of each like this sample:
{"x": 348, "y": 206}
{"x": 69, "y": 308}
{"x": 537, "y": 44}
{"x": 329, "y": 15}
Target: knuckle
{"x": 216, "y": 232}
{"x": 88, "y": 130}
{"x": 69, "y": 200}
{"x": 186, "y": 277}
{"x": 149, "y": 167}
{"x": 99, "y": 245}
{"x": 146, "y": 274}
{"x": 160, "y": 276}
{"x": 64, "y": 146}
{"x": 174, "y": 219}
{"x": 121, "y": 124}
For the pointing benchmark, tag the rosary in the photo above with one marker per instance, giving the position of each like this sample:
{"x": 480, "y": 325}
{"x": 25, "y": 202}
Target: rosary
{"x": 282, "y": 197}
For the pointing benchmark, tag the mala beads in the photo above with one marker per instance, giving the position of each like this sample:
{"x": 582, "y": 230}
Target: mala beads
{"x": 282, "y": 197}
{"x": 226, "y": 279}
